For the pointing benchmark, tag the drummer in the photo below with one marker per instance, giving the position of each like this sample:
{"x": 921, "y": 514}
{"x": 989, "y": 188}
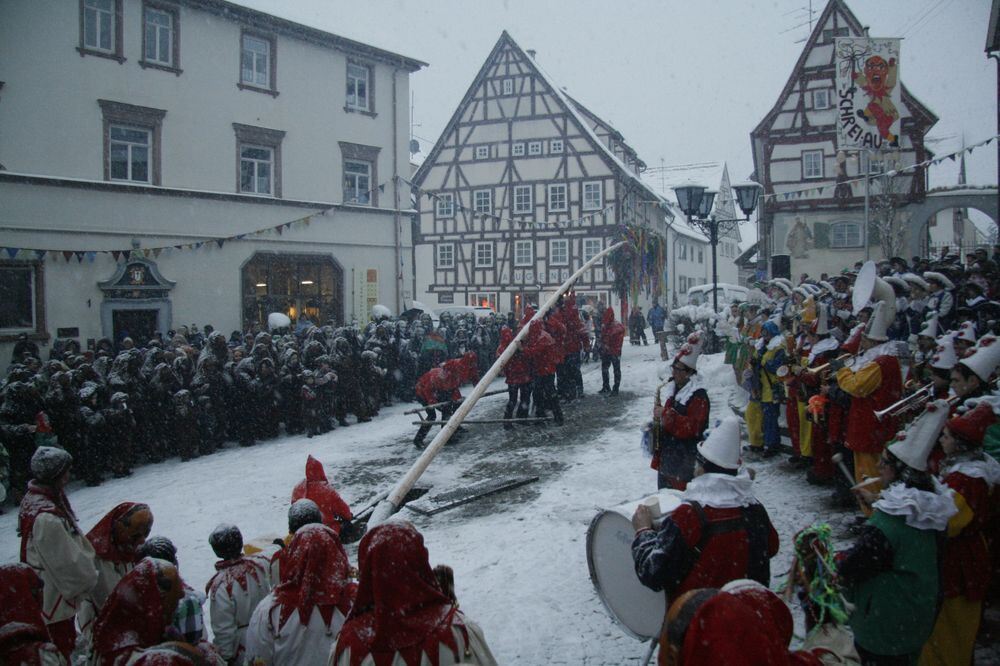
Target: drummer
{"x": 719, "y": 533}
{"x": 682, "y": 419}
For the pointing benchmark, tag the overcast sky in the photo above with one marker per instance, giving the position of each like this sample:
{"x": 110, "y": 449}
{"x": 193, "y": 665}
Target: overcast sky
{"x": 683, "y": 80}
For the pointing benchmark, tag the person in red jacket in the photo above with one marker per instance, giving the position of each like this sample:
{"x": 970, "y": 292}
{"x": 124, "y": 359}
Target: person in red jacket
{"x": 612, "y": 336}
{"x": 336, "y": 512}
{"x": 441, "y": 384}
{"x": 719, "y": 533}
{"x": 572, "y": 387}
{"x": 24, "y": 637}
{"x": 555, "y": 328}
{"x": 518, "y": 375}
{"x": 543, "y": 356}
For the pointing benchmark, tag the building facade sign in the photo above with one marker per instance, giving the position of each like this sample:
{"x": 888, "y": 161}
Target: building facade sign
{"x": 868, "y": 93}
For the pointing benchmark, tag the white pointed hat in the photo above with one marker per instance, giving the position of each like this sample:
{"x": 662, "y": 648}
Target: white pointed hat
{"x": 786, "y": 289}
{"x": 822, "y": 319}
{"x": 915, "y": 280}
{"x": 690, "y": 351}
{"x": 914, "y": 446}
{"x": 985, "y": 357}
{"x": 722, "y": 445}
{"x": 945, "y": 356}
{"x": 930, "y": 328}
{"x": 878, "y": 324}
{"x": 967, "y": 332}
{"x": 940, "y": 278}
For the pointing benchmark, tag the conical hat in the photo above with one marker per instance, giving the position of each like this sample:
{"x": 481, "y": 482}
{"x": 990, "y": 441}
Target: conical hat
{"x": 930, "y": 327}
{"x": 913, "y": 446}
{"x": 878, "y": 324}
{"x": 967, "y": 332}
{"x": 945, "y": 357}
{"x": 722, "y": 445}
{"x": 985, "y": 358}
{"x": 690, "y": 351}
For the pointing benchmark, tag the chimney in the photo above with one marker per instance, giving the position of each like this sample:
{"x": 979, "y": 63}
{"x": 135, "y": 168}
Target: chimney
{"x": 532, "y": 52}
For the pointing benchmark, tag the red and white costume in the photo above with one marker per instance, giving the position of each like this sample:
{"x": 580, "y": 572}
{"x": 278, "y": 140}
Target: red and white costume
{"x": 24, "y": 638}
{"x": 317, "y": 488}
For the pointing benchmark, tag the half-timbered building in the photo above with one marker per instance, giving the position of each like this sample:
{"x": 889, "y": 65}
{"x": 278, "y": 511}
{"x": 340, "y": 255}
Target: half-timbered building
{"x": 523, "y": 186}
{"x": 813, "y": 214}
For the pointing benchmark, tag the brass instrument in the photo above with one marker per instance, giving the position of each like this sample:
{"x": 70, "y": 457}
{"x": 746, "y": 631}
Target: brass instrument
{"x": 822, "y": 368}
{"x": 915, "y": 399}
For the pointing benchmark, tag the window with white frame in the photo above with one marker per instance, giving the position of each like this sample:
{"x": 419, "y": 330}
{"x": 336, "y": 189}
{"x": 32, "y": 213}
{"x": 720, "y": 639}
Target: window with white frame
{"x": 591, "y": 248}
{"x": 524, "y": 252}
{"x": 508, "y": 86}
{"x": 358, "y": 182}
{"x": 445, "y": 205}
{"x": 19, "y": 297}
{"x": 682, "y": 284}
{"x": 557, "y": 197}
{"x": 483, "y": 299}
{"x": 256, "y": 169}
{"x": 256, "y": 61}
{"x": 593, "y": 196}
{"x": 445, "y": 255}
{"x": 683, "y": 250}
{"x": 701, "y": 256}
{"x": 845, "y": 234}
{"x": 875, "y": 167}
{"x": 534, "y": 147}
{"x": 522, "y": 199}
{"x": 812, "y": 163}
{"x": 517, "y": 149}
{"x": 100, "y": 25}
{"x": 359, "y": 87}
{"x": 556, "y": 146}
{"x": 821, "y": 98}
{"x": 482, "y": 201}
{"x": 482, "y": 152}
{"x": 559, "y": 252}
{"x": 484, "y": 254}
{"x": 130, "y": 153}
{"x": 159, "y": 36}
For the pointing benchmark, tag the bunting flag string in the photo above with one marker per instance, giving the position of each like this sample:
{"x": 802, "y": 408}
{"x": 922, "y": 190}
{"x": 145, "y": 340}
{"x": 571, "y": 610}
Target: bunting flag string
{"x": 120, "y": 255}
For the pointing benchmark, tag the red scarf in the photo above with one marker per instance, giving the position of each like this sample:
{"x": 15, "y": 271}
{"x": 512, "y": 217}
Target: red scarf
{"x": 314, "y": 574}
{"x": 22, "y": 628}
{"x": 132, "y": 617}
{"x": 236, "y": 571}
{"x": 400, "y": 608}
{"x": 102, "y": 536}
{"x": 316, "y": 488}
{"x": 39, "y": 499}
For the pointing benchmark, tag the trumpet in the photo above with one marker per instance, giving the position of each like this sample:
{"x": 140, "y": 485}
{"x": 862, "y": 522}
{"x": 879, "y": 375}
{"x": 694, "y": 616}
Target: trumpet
{"x": 822, "y": 368}
{"x": 915, "y": 399}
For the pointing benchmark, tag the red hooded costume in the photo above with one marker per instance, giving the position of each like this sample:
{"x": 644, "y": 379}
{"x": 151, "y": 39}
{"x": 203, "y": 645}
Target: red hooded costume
{"x": 400, "y": 609}
{"x": 543, "y": 355}
{"x": 441, "y": 383}
{"x": 570, "y": 318}
{"x": 132, "y": 617}
{"x": 314, "y": 574}
{"x": 612, "y": 333}
{"x": 102, "y": 536}
{"x": 517, "y": 371}
{"x": 317, "y": 488}
{"x": 23, "y": 634}
{"x": 41, "y": 498}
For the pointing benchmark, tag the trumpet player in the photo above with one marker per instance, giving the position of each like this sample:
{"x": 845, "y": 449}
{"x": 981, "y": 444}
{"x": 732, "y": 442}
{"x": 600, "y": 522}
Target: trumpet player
{"x": 823, "y": 347}
{"x": 681, "y": 420}
{"x": 874, "y": 383}
{"x": 767, "y": 389}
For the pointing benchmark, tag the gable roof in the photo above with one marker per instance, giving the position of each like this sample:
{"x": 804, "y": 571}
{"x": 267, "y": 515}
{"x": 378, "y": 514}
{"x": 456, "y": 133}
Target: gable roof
{"x": 915, "y": 107}
{"x": 604, "y": 151}
{"x": 713, "y": 175}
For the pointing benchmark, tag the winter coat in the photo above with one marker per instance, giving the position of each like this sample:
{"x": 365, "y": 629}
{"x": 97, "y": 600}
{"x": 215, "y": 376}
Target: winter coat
{"x": 317, "y": 488}
{"x": 466, "y": 635}
{"x": 873, "y": 387}
{"x": 682, "y": 423}
{"x": 53, "y": 545}
{"x": 541, "y": 350}
{"x": 517, "y": 371}
{"x": 555, "y": 328}
{"x": 612, "y": 334}
{"x": 438, "y": 384}
{"x": 294, "y": 644}
{"x": 24, "y": 638}
{"x": 235, "y": 591}
{"x": 656, "y": 317}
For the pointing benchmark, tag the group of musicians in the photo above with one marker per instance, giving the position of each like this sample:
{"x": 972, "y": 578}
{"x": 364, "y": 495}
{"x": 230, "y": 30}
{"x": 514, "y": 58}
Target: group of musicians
{"x": 887, "y": 379}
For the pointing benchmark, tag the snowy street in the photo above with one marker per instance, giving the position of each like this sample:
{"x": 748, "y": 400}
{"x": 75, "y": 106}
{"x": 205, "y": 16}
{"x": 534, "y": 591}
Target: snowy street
{"x": 519, "y": 556}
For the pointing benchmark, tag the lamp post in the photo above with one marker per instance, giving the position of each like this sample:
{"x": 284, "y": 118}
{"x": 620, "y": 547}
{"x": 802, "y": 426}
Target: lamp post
{"x": 696, "y": 202}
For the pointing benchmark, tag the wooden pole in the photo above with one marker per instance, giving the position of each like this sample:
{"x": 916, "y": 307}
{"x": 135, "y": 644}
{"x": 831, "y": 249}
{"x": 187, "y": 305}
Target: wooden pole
{"x": 524, "y": 420}
{"x": 442, "y": 404}
{"x": 392, "y": 503}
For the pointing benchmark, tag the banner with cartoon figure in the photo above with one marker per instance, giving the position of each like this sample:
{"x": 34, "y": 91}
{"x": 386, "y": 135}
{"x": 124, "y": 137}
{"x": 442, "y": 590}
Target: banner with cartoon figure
{"x": 868, "y": 93}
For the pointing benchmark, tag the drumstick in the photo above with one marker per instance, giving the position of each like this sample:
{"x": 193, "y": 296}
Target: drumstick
{"x": 839, "y": 459}
{"x": 867, "y": 482}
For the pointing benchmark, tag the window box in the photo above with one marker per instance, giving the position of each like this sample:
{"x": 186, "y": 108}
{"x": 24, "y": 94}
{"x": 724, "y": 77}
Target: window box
{"x": 258, "y": 160}
{"x": 258, "y": 63}
{"x": 132, "y": 140}
{"x": 101, "y": 29}
{"x": 557, "y": 201}
{"x": 484, "y": 254}
{"x": 524, "y": 253}
{"x": 160, "y": 37}
{"x": 523, "y": 199}
{"x": 445, "y": 255}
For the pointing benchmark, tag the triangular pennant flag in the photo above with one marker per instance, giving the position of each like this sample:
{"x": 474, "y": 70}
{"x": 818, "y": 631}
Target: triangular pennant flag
{"x": 381, "y": 188}
{"x": 117, "y": 254}
{"x": 67, "y": 254}
{"x": 12, "y": 251}
{"x": 145, "y": 252}
{"x": 241, "y": 236}
{"x": 197, "y": 245}
{"x": 220, "y": 242}
{"x": 156, "y": 251}
{"x": 40, "y": 253}
{"x": 279, "y": 228}
{"x": 179, "y": 247}
{"x": 79, "y": 256}
{"x": 91, "y": 256}
{"x": 952, "y": 157}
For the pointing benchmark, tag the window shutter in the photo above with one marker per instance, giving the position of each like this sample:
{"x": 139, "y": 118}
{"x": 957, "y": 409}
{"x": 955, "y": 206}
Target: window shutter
{"x": 821, "y": 235}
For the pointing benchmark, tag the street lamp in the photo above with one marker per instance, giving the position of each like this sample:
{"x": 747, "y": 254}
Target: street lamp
{"x": 696, "y": 202}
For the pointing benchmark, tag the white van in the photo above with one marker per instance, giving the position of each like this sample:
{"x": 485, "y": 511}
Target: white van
{"x": 728, "y": 293}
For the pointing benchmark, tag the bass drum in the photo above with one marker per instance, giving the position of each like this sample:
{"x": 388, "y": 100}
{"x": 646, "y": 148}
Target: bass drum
{"x": 638, "y": 609}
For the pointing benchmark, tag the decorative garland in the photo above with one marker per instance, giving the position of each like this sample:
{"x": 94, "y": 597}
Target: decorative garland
{"x": 639, "y": 266}
{"x": 815, "y": 569}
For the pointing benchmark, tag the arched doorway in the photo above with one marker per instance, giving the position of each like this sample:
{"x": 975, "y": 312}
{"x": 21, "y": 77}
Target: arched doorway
{"x": 921, "y": 214}
{"x": 303, "y": 286}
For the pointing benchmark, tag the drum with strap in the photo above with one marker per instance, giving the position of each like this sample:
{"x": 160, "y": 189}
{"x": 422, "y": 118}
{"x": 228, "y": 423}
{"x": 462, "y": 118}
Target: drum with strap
{"x": 636, "y": 608}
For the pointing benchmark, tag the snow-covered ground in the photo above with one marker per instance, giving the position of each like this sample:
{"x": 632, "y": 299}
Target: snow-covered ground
{"x": 519, "y": 556}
